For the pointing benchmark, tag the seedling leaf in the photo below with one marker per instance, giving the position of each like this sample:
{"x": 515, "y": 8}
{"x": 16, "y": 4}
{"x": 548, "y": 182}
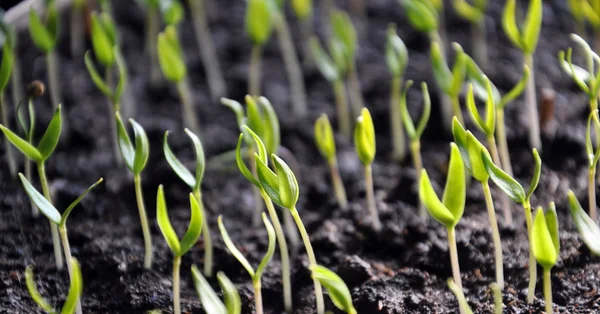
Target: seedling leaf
{"x": 506, "y": 183}
{"x": 67, "y": 211}
{"x": 268, "y": 181}
{"x": 169, "y": 55}
{"x": 209, "y": 299}
{"x": 516, "y": 90}
{"x": 587, "y": 227}
{"x": 142, "y": 148}
{"x": 102, "y": 41}
{"x": 96, "y": 78}
{"x": 455, "y": 190}
{"x": 364, "y": 137}
{"x": 125, "y": 146}
{"x": 194, "y": 228}
{"x": 460, "y": 138}
{"x": 344, "y": 31}
{"x": 27, "y": 149}
{"x": 476, "y": 149}
{"x": 240, "y": 162}
{"x": 421, "y": 14}
{"x": 336, "y": 287}
{"x": 35, "y": 293}
{"x": 181, "y": 171}
{"x": 164, "y": 223}
{"x": 288, "y": 185}
{"x": 537, "y": 171}
{"x": 40, "y": 35}
{"x": 509, "y": 24}
{"x": 231, "y": 296}
{"x": 40, "y": 201}
{"x": 270, "y": 249}
{"x": 51, "y": 136}
{"x": 430, "y": 200}
{"x": 258, "y": 21}
{"x": 552, "y": 223}
{"x": 233, "y": 249}
{"x": 324, "y": 63}
{"x": 396, "y": 53}
{"x": 6, "y": 65}
{"x": 543, "y": 245}
{"x": 532, "y": 26}
{"x": 75, "y": 288}
{"x": 324, "y": 137}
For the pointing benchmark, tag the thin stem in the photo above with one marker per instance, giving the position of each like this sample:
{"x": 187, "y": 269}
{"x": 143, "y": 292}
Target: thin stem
{"x": 532, "y": 260}
{"x": 495, "y": 234}
{"x": 454, "y": 259}
{"x": 479, "y": 44}
{"x": 283, "y": 251}
{"x": 532, "y": 110}
{"x": 77, "y": 34}
{"x": 258, "y": 204}
{"x": 208, "y": 247}
{"x": 53, "y": 228}
{"x": 53, "y": 78}
{"x": 189, "y": 118}
{"x": 371, "y": 197}
{"x": 338, "y": 184}
{"x": 341, "y": 105}
{"x": 35, "y": 212}
{"x": 152, "y": 29}
{"x": 10, "y": 158}
{"x": 456, "y": 109}
{"x": 306, "y": 32}
{"x": 502, "y": 143}
{"x": 256, "y": 284}
{"x": 548, "y": 289}
{"x": 112, "y": 108}
{"x": 415, "y": 148}
{"x": 176, "y": 299}
{"x": 445, "y": 102}
{"x": 503, "y": 198}
{"x": 311, "y": 258}
{"x": 143, "y": 220}
{"x": 67, "y": 249}
{"x": 356, "y": 100}
{"x": 398, "y": 138}
{"x": 592, "y": 191}
{"x": 254, "y": 71}
{"x": 16, "y": 81}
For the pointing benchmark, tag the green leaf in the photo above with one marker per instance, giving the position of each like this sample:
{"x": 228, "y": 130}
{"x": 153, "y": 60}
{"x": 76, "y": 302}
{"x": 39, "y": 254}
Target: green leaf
{"x": 421, "y": 14}
{"x": 589, "y": 134}
{"x": 142, "y": 148}
{"x": 324, "y": 63}
{"x": 552, "y": 223}
{"x": 125, "y": 146}
{"x": 231, "y": 295}
{"x": 476, "y": 149}
{"x": 324, "y": 137}
{"x": 589, "y": 232}
{"x": 364, "y": 137}
{"x": 96, "y": 78}
{"x": 269, "y": 181}
{"x": 237, "y": 108}
{"x": 40, "y": 201}
{"x": 460, "y": 296}
{"x": 75, "y": 288}
{"x": 35, "y": 293}
{"x": 302, "y": 8}
{"x": 258, "y": 21}
{"x": 441, "y": 73}
{"x": 67, "y": 211}
{"x": 241, "y": 165}
{"x": 271, "y": 132}
{"x": 532, "y": 26}
{"x": 209, "y": 299}
{"x": 460, "y": 138}
{"x": 506, "y": 183}
{"x": 40, "y": 35}
{"x": 396, "y": 53}
{"x": 336, "y": 287}
{"x": 509, "y": 24}
{"x": 405, "y": 115}
{"x": 542, "y": 245}
{"x": 289, "y": 190}
{"x": 426, "y": 110}
{"x": 101, "y": 41}
{"x": 455, "y": 190}
{"x": 122, "y": 69}
{"x": 233, "y": 249}
{"x": 254, "y": 116}
{"x": 537, "y": 170}
{"x": 430, "y": 200}
{"x": 479, "y": 80}
{"x": 270, "y": 249}
{"x": 458, "y": 71}
{"x": 468, "y": 12}
{"x": 344, "y": 31}
{"x": 51, "y": 136}
{"x": 181, "y": 171}
{"x": 194, "y": 228}
{"x": 22, "y": 145}
{"x": 172, "y": 11}
{"x": 169, "y": 55}
{"x": 6, "y": 66}
{"x": 516, "y": 90}
{"x": 164, "y": 224}
{"x": 578, "y": 74}
{"x": 489, "y": 124}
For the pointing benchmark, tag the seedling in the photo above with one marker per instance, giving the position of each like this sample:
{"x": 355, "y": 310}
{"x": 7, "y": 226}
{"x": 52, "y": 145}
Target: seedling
{"x": 515, "y": 191}
{"x": 194, "y": 181}
{"x": 152, "y": 29}
{"x": 425, "y": 17}
{"x": 474, "y": 153}
{"x": 325, "y": 141}
{"x": 589, "y": 232}
{"x": 210, "y": 300}
{"x": 136, "y": 158}
{"x": 546, "y": 247}
{"x": 336, "y": 287}
{"x": 259, "y": 26}
{"x": 414, "y": 134}
{"x": 75, "y": 290}
{"x": 475, "y": 14}
{"x": 449, "y": 81}
{"x": 282, "y": 188}
{"x": 586, "y": 78}
{"x": 449, "y": 211}
{"x": 458, "y": 293}
{"x": 526, "y": 40}
{"x": 303, "y": 9}
{"x": 172, "y": 12}
{"x": 593, "y": 157}
{"x": 39, "y": 154}
{"x": 497, "y": 298}
{"x": 396, "y": 56}
{"x": 255, "y": 275}
{"x": 172, "y": 63}
{"x": 5, "y": 71}
{"x": 178, "y": 247}
{"x": 364, "y": 143}
{"x": 60, "y": 220}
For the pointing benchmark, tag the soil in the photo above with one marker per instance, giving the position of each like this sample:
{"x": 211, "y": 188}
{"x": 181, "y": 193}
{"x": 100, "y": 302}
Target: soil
{"x": 401, "y": 269}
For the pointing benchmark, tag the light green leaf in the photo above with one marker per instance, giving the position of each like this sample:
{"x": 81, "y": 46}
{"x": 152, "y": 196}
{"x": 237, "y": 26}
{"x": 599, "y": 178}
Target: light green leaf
{"x": 455, "y": 190}
{"x": 95, "y": 76}
{"x": 467, "y": 11}
{"x": 289, "y": 190}
{"x": 261, "y": 150}
{"x": 421, "y": 14}
{"x": 209, "y": 299}
{"x": 75, "y": 288}
{"x": 40, "y": 35}
{"x": 396, "y": 53}
{"x": 101, "y": 41}
{"x": 172, "y": 11}
{"x": 430, "y": 200}
{"x": 532, "y": 26}
{"x": 35, "y": 293}
{"x": 537, "y": 171}
{"x": 233, "y": 249}
{"x": 142, "y": 148}
{"x": 336, "y": 287}
{"x": 125, "y": 146}
{"x": 542, "y": 245}
{"x": 426, "y": 110}
{"x": 164, "y": 223}
{"x": 169, "y": 55}
{"x": 458, "y": 71}
{"x": 194, "y": 228}
{"x": 51, "y": 136}
{"x": 506, "y": 183}
{"x": 241, "y": 165}
{"x": 302, "y": 8}
{"x": 272, "y": 134}
{"x": 270, "y": 249}
{"x": 406, "y": 119}
{"x": 589, "y": 232}
{"x": 344, "y": 31}
{"x": 552, "y": 223}
{"x": 22, "y": 145}
{"x": 182, "y": 172}
{"x": 364, "y": 137}
{"x": 516, "y": 90}
{"x": 237, "y": 108}
{"x": 509, "y": 24}
{"x": 441, "y": 73}
{"x": 258, "y": 21}
{"x": 268, "y": 181}
{"x": 67, "y": 211}
{"x": 40, "y": 201}
{"x": 460, "y": 138}
{"x": 231, "y": 295}
{"x": 324, "y": 137}
{"x": 122, "y": 69}
{"x": 476, "y": 149}
{"x": 324, "y": 63}
{"x": 6, "y": 66}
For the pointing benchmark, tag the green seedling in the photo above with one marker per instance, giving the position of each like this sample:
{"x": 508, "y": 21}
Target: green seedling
{"x": 172, "y": 63}
{"x": 194, "y": 181}
{"x": 136, "y": 158}
{"x": 178, "y": 247}
{"x": 303, "y": 9}
{"x": 474, "y": 154}
{"x": 475, "y": 14}
{"x": 152, "y": 28}
{"x": 73, "y": 297}
{"x": 458, "y": 293}
{"x": 77, "y": 28}
{"x": 6, "y": 64}
{"x": 588, "y": 229}
{"x": 450, "y": 81}
{"x": 39, "y": 154}
{"x": 546, "y": 247}
{"x": 423, "y": 16}
{"x": 282, "y": 188}
{"x": 414, "y": 134}
{"x": 172, "y": 11}
{"x": 259, "y": 26}
{"x": 450, "y": 210}
{"x": 336, "y": 287}
{"x": 526, "y": 39}
{"x": 588, "y": 79}
{"x": 593, "y": 157}
{"x": 60, "y": 220}
{"x": 515, "y": 191}
{"x": 364, "y": 143}
{"x": 396, "y": 56}
{"x": 255, "y": 275}
{"x": 232, "y": 304}
{"x": 325, "y": 141}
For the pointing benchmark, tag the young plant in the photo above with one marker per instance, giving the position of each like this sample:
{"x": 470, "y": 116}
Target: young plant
{"x": 460, "y": 296}
{"x": 282, "y": 188}
{"x": 136, "y": 158}
{"x": 588, "y": 229}
{"x": 586, "y": 78}
{"x": 75, "y": 290}
{"x": 336, "y": 287}
{"x": 5, "y": 70}
{"x": 364, "y": 143}
{"x": 303, "y": 9}
{"x": 326, "y": 144}
{"x": 173, "y": 67}
{"x": 255, "y": 275}
{"x": 39, "y": 154}
{"x": 475, "y": 14}
{"x": 449, "y": 81}
{"x": 178, "y": 247}
{"x": 396, "y": 56}
{"x": 259, "y": 27}
{"x": 526, "y": 40}
{"x": 425, "y": 17}
{"x": 414, "y": 134}
{"x": 546, "y": 247}
{"x": 593, "y": 157}
{"x": 450, "y": 210}
{"x": 474, "y": 154}
{"x": 60, "y": 220}
{"x": 209, "y": 298}
{"x": 194, "y": 181}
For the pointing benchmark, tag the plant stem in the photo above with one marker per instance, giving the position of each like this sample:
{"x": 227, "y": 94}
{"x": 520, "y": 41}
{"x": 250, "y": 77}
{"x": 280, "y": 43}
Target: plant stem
{"x": 592, "y": 191}
{"x": 306, "y": 32}
{"x": 53, "y": 78}
{"x": 67, "y": 249}
{"x": 503, "y": 198}
{"x": 548, "y": 289}
{"x": 341, "y": 104}
{"x": 532, "y": 261}
{"x": 254, "y": 71}
{"x": 10, "y": 158}
{"x": 53, "y": 228}
{"x": 256, "y": 195}
{"x": 371, "y": 197}
{"x": 398, "y": 140}
{"x": 445, "y": 101}
{"x": 479, "y": 44}
{"x": 502, "y": 143}
{"x": 495, "y": 234}
{"x": 532, "y": 110}
{"x": 176, "y": 299}
{"x": 356, "y": 100}
{"x": 454, "y": 259}
{"x": 15, "y": 77}
{"x": 152, "y": 29}
{"x": 283, "y": 251}
{"x": 311, "y": 257}
{"x": 112, "y": 108}
{"x": 208, "y": 247}
{"x": 256, "y": 284}
{"x": 143, "y": 220}
{"x": 77, "y": 28}
{"x": 189, "y": 117}
{"x": 415, "y": 148}
{"x": 456, "y": 109}
{"x": 338, "y": 184}
{"x": 35, "y": 212}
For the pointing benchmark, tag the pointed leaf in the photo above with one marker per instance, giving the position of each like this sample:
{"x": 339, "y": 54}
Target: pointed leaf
{"x": 336, "y": 288}
{"x": 430, "y": 200}
{"x": 142, "y": 148}
{"x": 289, "y": 190}
{"x": 182, "y": 172}
{"x": 344, "y": 31}
{"x": 125, "y": 146}
{"x": 532, "y": 26}
{"x": 537, "y": 171}
{"x": 396, "y": 54}
{"x": 208, "y": 297}
{"x": 441, "y": 73}
{"x": 268, "y": 181}
{"x": 258, "y": 21}
{"x": 101, "y": 42}
{"x": 169, "y": 56}
{"x": 231, "y": 295}
{"x": 258, "y": 143}
{"x": 455, "y": 190}
{"x": 195, "y": 227}
{"x": 542, "y": 245}
{"x": 509, "y": 24}
{"x": 324, "y": 63}
{"x": 40, "y": 35}
{"x": 460, "y": 138}
{"x": 272, "y": 132}
{"x": 122, "y": 69}
{"x": 164, "y": 223}
{"x": 67, "y": 211}
{"x": 22, "y": 145}
{"x": 241, "y": 165}
{"x": 270, "y": 249}
{"x": 516, "y": 90}
{"x": 589, "y": 232}
{"x": 506, "y": 183}
{"x": 237, "y": 108}
{"x": 95, "y": 76}
{"x": 6, "y": 65}
{"x": 233, "y": 249}
{"x": 552, "y": 223}
{"x": 35, "y": 293}
{"x": 40, "y": 201}
{"x": 426, "y": 110}
{"x": 476, "y": 149}
{"x": 75, "y": 288}
{"x": 51, "y": 136}
{"x": 324, "y": 137}
{"x": 421, "y": 15}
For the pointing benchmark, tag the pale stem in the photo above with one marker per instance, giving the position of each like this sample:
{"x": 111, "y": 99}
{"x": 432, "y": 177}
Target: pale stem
{"x": 338, "y": 184}
{"x": 176, "y": 299}
{"x": 112, "y": 108}
{"x": 503, "y": 198}
{"x": 16, "y": 82}
{"x": 291, "y": 232}
{"x": 311, "y": 258}
{"x": 415, "y": 148}
{"x": 479, "y": 44}
{"x": 356, "y": 100}
{"x": 306, "y": 32}
{"x": 445, "y": 101}
{"x": 532, "y": 110}
{"x": 144, "y": 221}
{"x": 256, "y": 284}
{"x": 53, "y": 78}
{"x": 34, "y": 210}
{"x": 190, "y": 120}
{"x": 495, "y": 234}
{"x": 592, "y": 191}
{"x": 77, "y": 27}
{"x": 256, "y": 195}
{"x": 254, "y": 71}
{"x": 398, "y": 140}
{"x": 456, "y": 109}
{"x": 208, "y": 247}
{"x": 454, "y": 257}
{"x": 502, "y": 143}
{"x": 371, "y": 197}
{"x": 548, "y": 289}
{"x": 10, "y": 158}
{"x": 216, "y": 83}
{"x": 341, "y": 105}
{"x": 532, "y": 260}
{"x": 67, "y": 249}
{"x": 53, "y": 228}
{"x": 152, "y": 30}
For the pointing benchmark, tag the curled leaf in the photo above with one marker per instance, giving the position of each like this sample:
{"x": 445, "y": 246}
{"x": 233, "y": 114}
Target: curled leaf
{"x": 336, "y": 287}
{"x": 35, "y": 293}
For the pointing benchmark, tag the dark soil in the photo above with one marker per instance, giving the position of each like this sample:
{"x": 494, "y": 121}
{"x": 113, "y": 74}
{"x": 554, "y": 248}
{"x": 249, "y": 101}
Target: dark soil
{"x": 402, "y": 269}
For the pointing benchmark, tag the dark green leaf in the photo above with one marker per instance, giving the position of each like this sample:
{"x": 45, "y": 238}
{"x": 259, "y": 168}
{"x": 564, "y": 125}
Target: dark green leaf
{"x": 51, "y": 136}
{"x": 22, "y": 145}
{"x": 122, "y": 68}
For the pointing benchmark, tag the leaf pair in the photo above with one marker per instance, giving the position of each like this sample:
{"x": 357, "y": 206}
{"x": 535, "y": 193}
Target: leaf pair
{"x": 209, "y": 298}
{"x": 364, "y": 137}
{"x": 336, "y": 287}
{"x": 450, "y": 81}
{"x": 259, "y": 24}
{"x": 333, "y": 67}
{"x": 472, "y": 151}
{"x": 104, "y": 37}
{"x": 44, "y": 34}
{"x": 170, "y": 55}
{"x": 412, "y": 133}
{"x": 179, "y": 248}
{"x": 136, "y": 157}
{"x": 344, "y": 32}
{"x": 261, "y": 153}
{"x": 324, "y": 138}
{"x": 593, "y": 156}
{"x": 113, "y": 94}
{"x": 281, "y": 186}
{"x": 450, "y": 209}
{"x": 525, "y": 38}
{"x": 422, "y": 15}
{"x": 546, "y": 244}
{"x": 193, "y": 181}
{"x": 396, "y": 54}
{"x": 172, "y": 11}
{"x": 474, "y": 13}
{"x": 579, "y": 74}
{"x": 75, "y": 290}
{"x": 588, "y": 229}
{"x": 487, "y": 125}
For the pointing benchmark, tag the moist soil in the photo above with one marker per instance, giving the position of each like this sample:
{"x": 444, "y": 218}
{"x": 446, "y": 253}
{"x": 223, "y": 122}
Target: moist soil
{"x": 401, "y": 269}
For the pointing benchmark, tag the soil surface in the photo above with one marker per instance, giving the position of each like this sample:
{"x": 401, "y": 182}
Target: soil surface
{"x": 401, "y": 269}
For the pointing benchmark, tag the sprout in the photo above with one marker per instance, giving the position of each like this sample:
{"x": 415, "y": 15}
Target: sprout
{"x": 178, "y": 247}
{"x": 75, "y": 290}
{"x": 194, "y": 182}
{"x": 259, "y": 27}
{"x": 526, "y": 40}
{"x": 589, "y": 232}
{"x": 585, "y": 78}
{"x": 475, "y": 14}
{"x": 338, "y": 291}
{"x": 209, "y": 298}
{"x": 136, "y": 158}
{"x": 172, "y": 11}
{"x": 396, "y": 56}
{"x": 449, "y": 81}
{"x": 497, "y": 298}
{"x": 303, "y": 9}
{"x": 364, "y": 142}
{"x": 326, "y": 144}
{"x": 254, "y": 274}
{"x": 39, "y": 154}
{"x": 474, "y": 154}
{"x": 282, "y": 188}
{"x": 5, "y": 71}
{"x": 60, "y": 220}
{"x": 448, "y": 211}
{"x": 593, "y": 157}
{"x": 546, "y": 247}
{"x": 458, "y": 293}
{"x": 414, "y": 134}
{"x": 172, "y": 63}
